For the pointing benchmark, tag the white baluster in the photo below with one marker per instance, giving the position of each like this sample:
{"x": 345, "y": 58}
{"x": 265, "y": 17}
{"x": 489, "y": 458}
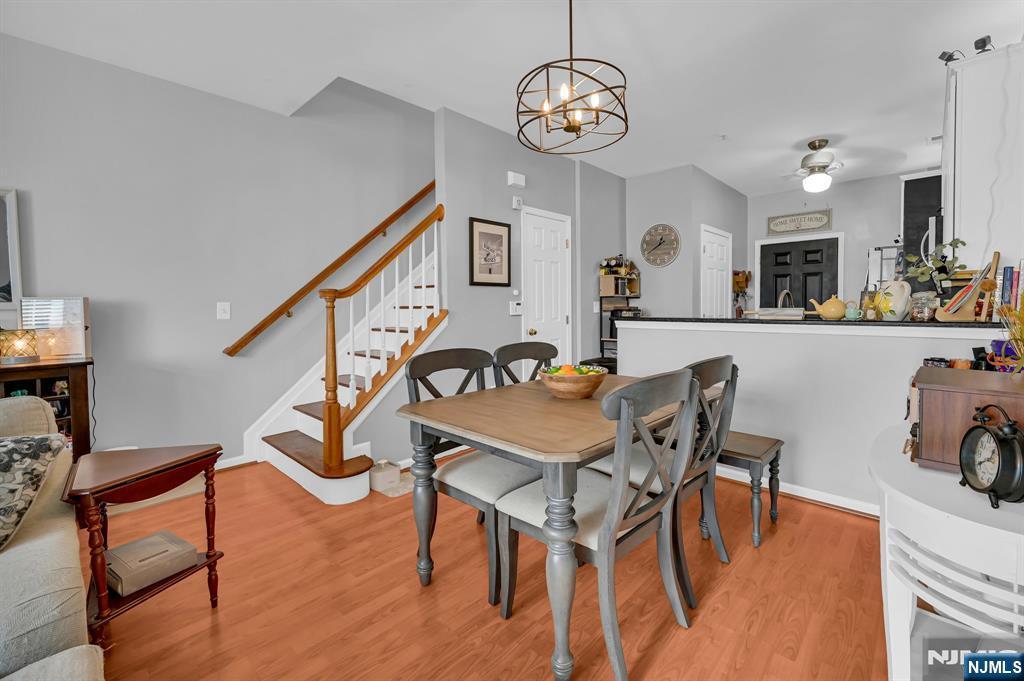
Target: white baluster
{"x": 412, "y": 311}
{"x": 367, "y": 367}
{"x": 398, "y": 313}
{"x": 437, "y": 273}
{"x": 383, "y": 321}
{"x": 423, "y": 278}
{"x": 352, "y": 352}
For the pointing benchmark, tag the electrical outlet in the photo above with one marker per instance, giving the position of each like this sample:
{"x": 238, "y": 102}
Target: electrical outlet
{"x": 223, "y": 310}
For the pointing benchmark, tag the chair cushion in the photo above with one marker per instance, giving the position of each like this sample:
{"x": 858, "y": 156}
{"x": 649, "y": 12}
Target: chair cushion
{"x": 528, "y": 504}
{"x": 24, "y": 463}
{"x": 81, "y": 663}
{"x": 639, "y": 466}
{"x": 42, "y": 595}
{"x": 485, "y": 476}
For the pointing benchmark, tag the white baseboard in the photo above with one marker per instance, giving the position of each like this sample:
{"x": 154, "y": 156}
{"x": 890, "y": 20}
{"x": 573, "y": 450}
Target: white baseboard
{"x": 862, "y": 507}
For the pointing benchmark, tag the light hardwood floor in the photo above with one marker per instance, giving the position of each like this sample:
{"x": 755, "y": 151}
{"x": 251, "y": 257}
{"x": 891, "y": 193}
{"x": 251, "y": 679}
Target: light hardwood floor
{"x": 309, "y": 591}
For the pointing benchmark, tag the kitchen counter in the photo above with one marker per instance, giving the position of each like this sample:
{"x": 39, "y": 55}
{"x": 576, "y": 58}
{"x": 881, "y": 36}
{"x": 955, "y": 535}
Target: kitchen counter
{"x": 825, "y": 388}
{"x": 907, "y": 329}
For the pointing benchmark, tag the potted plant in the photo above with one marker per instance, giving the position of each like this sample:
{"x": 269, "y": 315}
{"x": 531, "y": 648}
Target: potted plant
{"x": 936, "y": 266}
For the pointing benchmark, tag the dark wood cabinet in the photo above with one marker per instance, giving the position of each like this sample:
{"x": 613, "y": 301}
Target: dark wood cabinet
{"x": 64, "y": 383}
{"x": 947, "y": 401}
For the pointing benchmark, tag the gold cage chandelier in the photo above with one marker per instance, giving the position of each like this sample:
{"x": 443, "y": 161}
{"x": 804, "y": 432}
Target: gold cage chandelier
{"x": 585, "y": 110}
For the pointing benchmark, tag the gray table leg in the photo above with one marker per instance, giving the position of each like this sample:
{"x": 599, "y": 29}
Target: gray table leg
{"x": 424, "y": 499}
{"x": 559, "y": 530}
{"x": 755, "y": 500}
{"x": 773, "y": 485}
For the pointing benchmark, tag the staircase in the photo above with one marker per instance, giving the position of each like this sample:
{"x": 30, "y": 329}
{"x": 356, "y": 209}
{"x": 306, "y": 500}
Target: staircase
{"x": 386, "y": 314}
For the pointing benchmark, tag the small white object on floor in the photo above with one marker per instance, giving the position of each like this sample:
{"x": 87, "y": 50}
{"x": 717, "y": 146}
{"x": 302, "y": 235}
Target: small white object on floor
{"x": 403, "y": 486}
{"x": 383, "y": 475}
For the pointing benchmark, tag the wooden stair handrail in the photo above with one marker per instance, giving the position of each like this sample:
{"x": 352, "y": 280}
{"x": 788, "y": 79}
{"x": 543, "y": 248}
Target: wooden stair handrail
{"x": 436, "y": 215}
{"x": 285, "y": 308}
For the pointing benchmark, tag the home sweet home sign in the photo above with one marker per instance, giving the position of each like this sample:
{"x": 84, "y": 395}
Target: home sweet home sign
{"x": 801, "y": 222}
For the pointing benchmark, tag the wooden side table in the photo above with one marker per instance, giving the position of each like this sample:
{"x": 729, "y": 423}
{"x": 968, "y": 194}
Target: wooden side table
{"x": 127, "y": 476}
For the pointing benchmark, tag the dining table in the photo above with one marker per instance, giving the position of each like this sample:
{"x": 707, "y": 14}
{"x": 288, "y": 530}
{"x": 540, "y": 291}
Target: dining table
{"x": 526, "y": 424}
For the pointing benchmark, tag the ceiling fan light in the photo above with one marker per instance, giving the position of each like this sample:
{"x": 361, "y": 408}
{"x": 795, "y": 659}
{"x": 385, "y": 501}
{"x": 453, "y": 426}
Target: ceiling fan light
{"x": 817, "y": 181}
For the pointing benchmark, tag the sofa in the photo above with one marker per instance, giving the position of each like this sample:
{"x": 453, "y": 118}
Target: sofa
{"x": 43, "y": 632}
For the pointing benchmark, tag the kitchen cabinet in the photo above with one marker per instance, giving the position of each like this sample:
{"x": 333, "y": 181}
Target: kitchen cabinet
{"x": 983, "y": 155}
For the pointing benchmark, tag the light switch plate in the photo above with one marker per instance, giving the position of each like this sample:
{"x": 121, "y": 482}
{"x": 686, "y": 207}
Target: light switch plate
{"x": 517, "y": 203}
{"x": 515, "y": 308}
{"x": 223, "y": 310}
{"x": 597, "y": 307}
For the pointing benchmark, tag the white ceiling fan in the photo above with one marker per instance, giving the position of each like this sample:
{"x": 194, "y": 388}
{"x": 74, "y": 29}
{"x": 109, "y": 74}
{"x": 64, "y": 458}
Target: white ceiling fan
{"x": 817, "y": 166}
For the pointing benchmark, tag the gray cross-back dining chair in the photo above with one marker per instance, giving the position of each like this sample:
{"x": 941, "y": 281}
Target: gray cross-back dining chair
{"x": 506, "y": 355}
{"x": 612, "y": 517}
{"x": 476, "y": 479}
{"x": 714, "y": 417}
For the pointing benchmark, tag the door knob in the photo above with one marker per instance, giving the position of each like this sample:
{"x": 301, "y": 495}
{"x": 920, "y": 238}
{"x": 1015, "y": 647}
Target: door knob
{"x": 532, "y": 332}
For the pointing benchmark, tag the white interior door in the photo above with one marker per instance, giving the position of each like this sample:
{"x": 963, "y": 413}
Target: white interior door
{"x": 715, "y": 273}
{"x": 547, "y": 292}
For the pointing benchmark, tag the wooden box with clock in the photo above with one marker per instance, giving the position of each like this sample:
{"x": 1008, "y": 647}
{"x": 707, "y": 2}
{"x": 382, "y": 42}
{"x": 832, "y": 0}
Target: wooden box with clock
{"x": 948, "y": 401}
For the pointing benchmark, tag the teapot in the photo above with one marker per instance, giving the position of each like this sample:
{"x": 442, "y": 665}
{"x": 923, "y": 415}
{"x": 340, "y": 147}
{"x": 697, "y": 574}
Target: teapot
{"x": 832, "y": 309}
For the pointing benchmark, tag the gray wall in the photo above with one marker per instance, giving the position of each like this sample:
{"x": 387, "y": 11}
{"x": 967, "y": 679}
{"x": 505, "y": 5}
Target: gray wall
{"x": 156, "y": 201}
{"x": 684, "y": 197}
{"x": 866, "y": 211}
{"x": 601, "y": 234}
{"x": 471, "y": 164}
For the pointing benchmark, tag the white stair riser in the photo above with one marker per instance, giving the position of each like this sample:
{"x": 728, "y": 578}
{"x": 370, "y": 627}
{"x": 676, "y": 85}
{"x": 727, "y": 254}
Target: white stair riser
{"x": 419, "y": 317}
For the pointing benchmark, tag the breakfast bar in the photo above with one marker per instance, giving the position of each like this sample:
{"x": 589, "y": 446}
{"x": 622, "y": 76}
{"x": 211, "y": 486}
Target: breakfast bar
{"x": 826, "y": 388}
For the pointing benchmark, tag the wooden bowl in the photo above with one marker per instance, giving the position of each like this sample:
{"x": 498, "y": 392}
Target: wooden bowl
{"x": 573, "y": 386}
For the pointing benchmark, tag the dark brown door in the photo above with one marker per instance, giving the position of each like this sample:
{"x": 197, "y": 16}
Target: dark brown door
{"x": 807, "y": 269}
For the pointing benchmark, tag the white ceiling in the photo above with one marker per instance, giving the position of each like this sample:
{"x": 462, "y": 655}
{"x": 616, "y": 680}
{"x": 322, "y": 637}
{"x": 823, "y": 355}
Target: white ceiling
{"x": 768, "y": 74}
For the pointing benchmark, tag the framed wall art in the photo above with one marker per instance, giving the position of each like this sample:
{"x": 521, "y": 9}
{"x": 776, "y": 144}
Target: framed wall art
{"x": 10, "y": 254}
{"x": 490, "y": 254}
{"x": 812, "y": 221}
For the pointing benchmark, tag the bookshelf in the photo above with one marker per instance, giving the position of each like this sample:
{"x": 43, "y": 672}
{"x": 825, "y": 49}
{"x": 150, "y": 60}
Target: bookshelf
{"x": 64, "y": 384}
{"x": 616, "y": 292}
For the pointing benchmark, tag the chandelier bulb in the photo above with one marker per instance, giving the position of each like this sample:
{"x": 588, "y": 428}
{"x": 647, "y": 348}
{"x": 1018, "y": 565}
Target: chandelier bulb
{"x": 595, "y": 101}
{"x": 546, "y": 106}
{"x": 563, "y": 92}
{"x": 578, "y": 115}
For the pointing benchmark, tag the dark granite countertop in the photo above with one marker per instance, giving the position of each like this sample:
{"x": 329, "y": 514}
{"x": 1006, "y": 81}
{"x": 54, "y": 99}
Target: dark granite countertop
{"x": 995, "y": 326}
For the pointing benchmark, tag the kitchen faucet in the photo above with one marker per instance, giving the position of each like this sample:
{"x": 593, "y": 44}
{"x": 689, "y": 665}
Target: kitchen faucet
{"x": 782, "y": 297}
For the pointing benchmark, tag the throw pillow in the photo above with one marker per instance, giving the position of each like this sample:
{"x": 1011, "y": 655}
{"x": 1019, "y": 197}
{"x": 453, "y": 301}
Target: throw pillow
{"x": 24, "y": 462}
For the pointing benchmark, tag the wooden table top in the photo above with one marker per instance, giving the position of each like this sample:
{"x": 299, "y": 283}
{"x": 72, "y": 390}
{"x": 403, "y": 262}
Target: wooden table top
{"x": 524, "y": 419}
{"x": 102, "y": 471}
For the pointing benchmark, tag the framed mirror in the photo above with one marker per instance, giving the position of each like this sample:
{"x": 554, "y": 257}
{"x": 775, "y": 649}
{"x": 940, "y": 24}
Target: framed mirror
{"x": 10, "y": 253}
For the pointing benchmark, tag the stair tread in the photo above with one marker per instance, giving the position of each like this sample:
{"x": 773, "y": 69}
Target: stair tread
{"x": 344, "y": 380}
{"x": 313, "y": 409}
{"x": 309, "y": 452}
{"x": 375, "y": 354}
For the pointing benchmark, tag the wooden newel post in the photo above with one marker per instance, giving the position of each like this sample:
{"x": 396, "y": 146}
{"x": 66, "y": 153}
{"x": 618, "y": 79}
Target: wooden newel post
{"x": 332, "y": 410}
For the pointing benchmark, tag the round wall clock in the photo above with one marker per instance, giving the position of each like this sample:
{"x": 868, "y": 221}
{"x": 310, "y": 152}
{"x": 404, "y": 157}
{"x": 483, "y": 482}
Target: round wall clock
{"x": 660, "y": 245}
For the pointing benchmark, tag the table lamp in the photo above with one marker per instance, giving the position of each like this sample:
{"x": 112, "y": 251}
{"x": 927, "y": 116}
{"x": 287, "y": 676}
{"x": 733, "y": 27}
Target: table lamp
{"x": 18, "y": 346}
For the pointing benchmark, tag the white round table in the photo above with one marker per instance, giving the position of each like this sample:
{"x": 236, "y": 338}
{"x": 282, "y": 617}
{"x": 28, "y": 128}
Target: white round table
{"x": 946, "y": 545}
